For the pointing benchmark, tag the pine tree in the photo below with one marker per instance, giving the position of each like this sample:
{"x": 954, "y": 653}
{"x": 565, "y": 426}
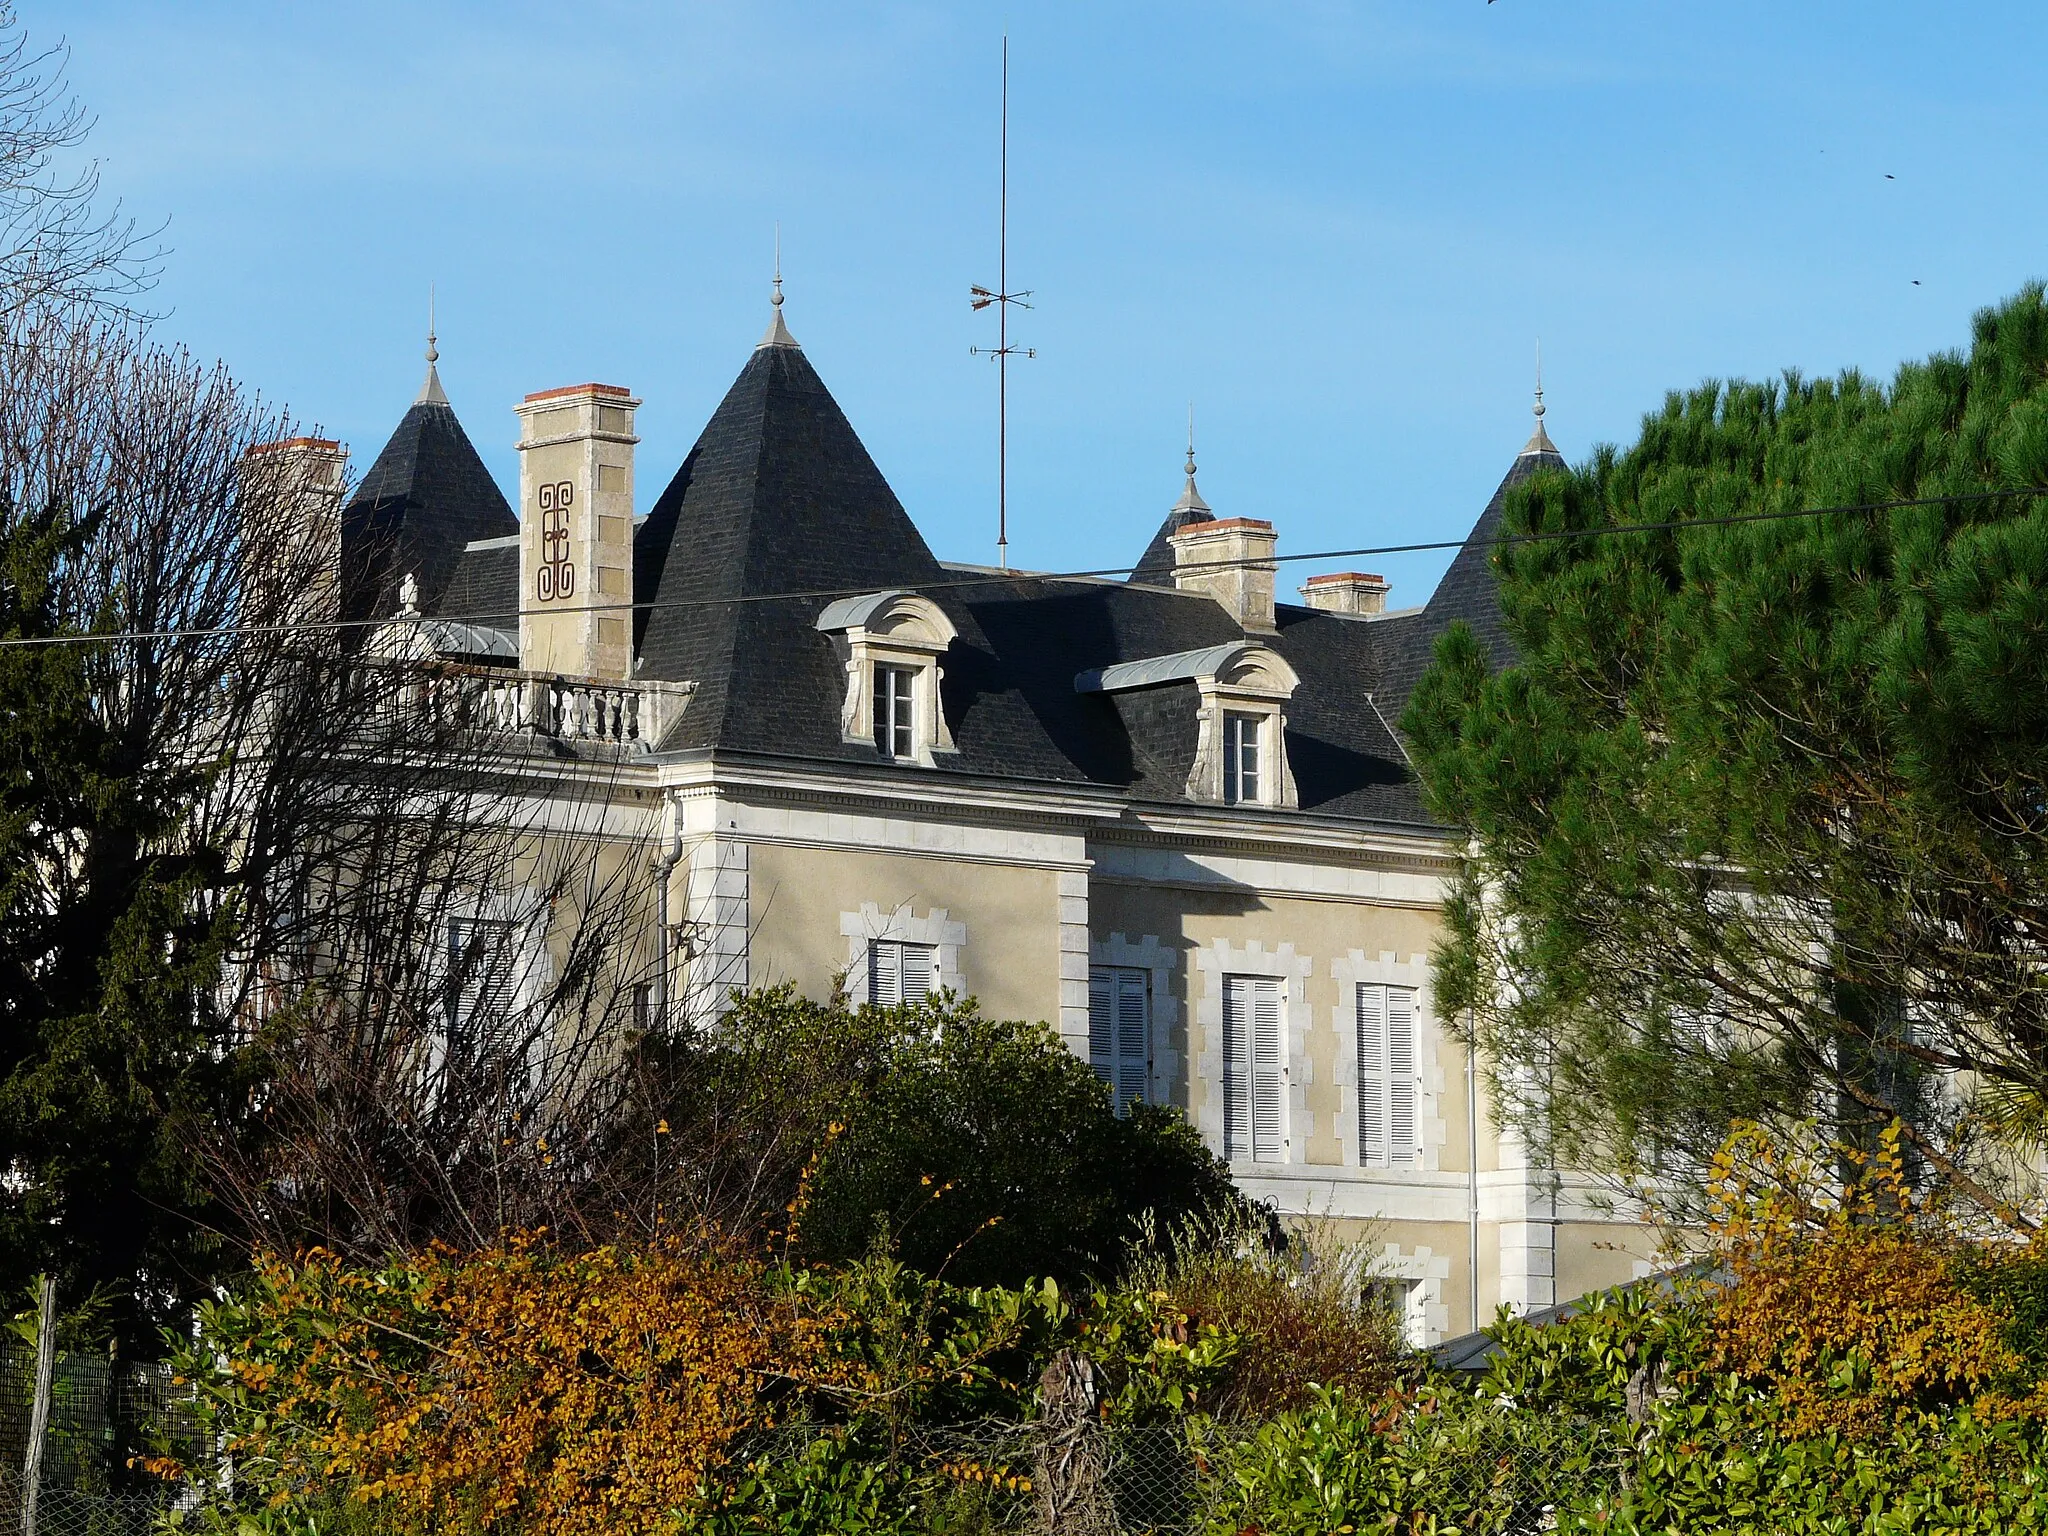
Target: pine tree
{"x": 1760, "y": 814}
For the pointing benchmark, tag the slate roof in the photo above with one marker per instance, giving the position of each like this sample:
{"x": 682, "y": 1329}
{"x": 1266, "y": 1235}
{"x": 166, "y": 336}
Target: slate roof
{"x": 426, "y": 497}
{"x": 780, "y": 497}
{"x": 778, "y": 511}
{"x": 484, "y": 586}
{"x": 1155, "y": 566}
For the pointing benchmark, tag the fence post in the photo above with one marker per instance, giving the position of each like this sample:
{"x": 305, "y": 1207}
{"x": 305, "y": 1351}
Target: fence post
{"x": 1068, "y": 1472}
{"x": 39, "y": 1414}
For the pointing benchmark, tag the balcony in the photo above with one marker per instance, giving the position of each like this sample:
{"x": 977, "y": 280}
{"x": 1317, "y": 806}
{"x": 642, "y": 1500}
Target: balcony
{"x": 632, "y": 715}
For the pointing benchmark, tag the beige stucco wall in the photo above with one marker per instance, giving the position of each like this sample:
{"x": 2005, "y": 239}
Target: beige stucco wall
{"x": 1010, "y": 961}
{"x": 1190, "y": 918}
{"x": 1593, "y": 1255}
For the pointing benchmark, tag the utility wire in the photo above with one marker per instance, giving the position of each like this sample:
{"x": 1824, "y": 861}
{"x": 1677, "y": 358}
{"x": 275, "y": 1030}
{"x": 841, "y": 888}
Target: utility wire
{"x": 1011, "y": 578}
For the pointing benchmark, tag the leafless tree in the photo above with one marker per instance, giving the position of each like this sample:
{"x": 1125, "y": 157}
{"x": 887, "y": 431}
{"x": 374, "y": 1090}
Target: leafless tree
{"x": 58, "y": 239}
{"x": 301, "y": 940}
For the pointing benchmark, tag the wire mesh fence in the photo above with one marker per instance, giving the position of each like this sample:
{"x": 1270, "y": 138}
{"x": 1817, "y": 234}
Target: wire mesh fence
{"x": 72, "y": 1512}
{"x": 104, "y": 1416}
{"x": 1483, "y": 1468}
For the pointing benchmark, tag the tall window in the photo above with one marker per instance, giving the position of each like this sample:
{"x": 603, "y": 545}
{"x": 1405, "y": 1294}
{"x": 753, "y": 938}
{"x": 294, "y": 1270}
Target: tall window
{"x": 1241, "y": 765}
{"x": 895, "y": 711}
{"x": 900, "y": 972}
{"x": 1120, "y": 1030}
{"x": 1389, "y": 1078}
{"x": 1254, "y": 1077}
{"x": 480, "y": 989}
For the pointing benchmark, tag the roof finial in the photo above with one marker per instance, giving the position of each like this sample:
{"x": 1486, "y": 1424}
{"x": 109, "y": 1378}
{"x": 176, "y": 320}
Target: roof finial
{"x": 431, "y": 392}
{"x": 1539, "y": 440}
{"x": 778, "y": 333}
{"x": 1191, "y": 499}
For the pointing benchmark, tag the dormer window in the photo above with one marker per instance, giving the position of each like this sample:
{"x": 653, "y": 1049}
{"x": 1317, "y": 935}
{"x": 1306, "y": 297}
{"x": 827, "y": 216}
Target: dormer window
{"x": 1241, "y": 693}
{"x": 892, "y": 644}
{"x": 895, "y": 710}
{"x": 1241, "y": 733}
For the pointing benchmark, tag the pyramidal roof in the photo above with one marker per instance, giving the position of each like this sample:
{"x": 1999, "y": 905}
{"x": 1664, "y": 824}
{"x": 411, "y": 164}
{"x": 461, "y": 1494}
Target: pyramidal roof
{"x": 1155, "y": 566}
{"x": 426, "y": 496}
{"x": 1470, "y": 590}
{"x": 778, "y": 496}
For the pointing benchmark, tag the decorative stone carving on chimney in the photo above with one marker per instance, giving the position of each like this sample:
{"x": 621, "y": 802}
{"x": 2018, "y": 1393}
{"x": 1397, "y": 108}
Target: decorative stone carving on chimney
{"x": 576, "y": 531}
{"x": 1354, "y": 592}
{"x": 291, "y": 529}
{"x": 1230, "y": 560}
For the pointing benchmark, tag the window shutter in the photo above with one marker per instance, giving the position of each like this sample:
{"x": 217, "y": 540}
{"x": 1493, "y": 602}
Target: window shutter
{"x": 1372, "y": 1076}
{"x": 481, "y": 994}
{"x": 1133, "y": 1054}
{"x": 885, "y": 975}
{"x": 1268, "y": 1073}
{"x": 1237, "y": 1063}
{"x": 920, "y": 965}
{"x": 1403, "y": 1081}
{"x": 1102, "y": 1025}
{"x": 899, "y": 972}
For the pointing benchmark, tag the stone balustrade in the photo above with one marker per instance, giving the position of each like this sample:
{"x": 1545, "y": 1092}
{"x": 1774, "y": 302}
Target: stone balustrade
{"x": 628, "y": 714}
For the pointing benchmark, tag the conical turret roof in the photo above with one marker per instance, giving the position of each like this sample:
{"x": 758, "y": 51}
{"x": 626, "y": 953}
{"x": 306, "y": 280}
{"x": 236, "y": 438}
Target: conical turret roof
{"x": 778, "y": 496}
{"x": 426, "y": 496}
{"x": 1155, "y": 566}
{"x": 1470, "y": 590}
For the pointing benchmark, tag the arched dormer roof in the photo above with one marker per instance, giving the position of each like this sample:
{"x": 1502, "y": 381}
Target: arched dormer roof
{"x": 1243, "y": 666}
{"x": 901, "y": 618}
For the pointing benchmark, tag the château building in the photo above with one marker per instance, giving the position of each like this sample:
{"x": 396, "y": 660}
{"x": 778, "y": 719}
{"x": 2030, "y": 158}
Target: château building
{"x": 1170, "y": 815}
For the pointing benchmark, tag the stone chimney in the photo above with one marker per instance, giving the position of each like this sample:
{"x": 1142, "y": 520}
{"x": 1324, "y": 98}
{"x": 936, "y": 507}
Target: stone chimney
{"x": 1230, "y": 560}
{"x": 291, "y": 529}
{"x": 1353, "y": 592}
{"x": 576, "y": 531}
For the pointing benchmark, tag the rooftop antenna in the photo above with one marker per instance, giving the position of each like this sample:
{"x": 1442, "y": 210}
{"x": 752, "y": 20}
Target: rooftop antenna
{"x": 778, "y": 329}
{"x": 431, "y": 392}
{"x": 1002, "y": 298}
{"x": 1539, "y": 440}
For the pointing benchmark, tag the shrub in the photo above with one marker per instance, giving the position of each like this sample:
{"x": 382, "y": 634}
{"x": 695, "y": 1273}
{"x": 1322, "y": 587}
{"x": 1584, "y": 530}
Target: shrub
{"x": 556, "y": 1394}
{"x": 1851, "y": 1310}
{"x": 1437, "y": 1462}
{"x": 1296, "y": 1309}
{"x": 988, "y": 1153}
{"x": 979, "y": 1150}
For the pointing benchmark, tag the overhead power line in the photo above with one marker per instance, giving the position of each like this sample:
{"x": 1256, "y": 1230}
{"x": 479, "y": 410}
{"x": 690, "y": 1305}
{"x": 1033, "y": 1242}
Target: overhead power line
{"x": 1009, "y": 579}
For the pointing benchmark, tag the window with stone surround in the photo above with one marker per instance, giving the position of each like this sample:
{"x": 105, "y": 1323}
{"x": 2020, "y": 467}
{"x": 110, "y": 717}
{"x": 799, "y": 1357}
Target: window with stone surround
{"x": 1241, "y": 693}
{"x": 1254, "y": 1069}
{"x": 1389, "y": 1075}
{"x": 892, "y": 644}
{"x": 1120, "y": 1030}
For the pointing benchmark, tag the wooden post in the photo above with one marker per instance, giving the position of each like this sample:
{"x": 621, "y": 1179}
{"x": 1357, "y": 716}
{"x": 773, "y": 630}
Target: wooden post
{"x": 39, "y": 1415}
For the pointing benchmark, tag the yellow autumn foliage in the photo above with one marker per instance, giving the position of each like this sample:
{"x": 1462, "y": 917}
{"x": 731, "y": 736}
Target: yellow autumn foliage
{"x": 556, "y": 1394}
{"x": 1848, "y": 1303}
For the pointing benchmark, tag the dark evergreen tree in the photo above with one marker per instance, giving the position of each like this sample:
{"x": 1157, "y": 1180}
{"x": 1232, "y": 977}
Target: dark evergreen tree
{"x": 1760, "y": 815}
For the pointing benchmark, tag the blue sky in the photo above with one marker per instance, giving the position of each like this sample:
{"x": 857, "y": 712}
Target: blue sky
{"x": 1340, "y": 228}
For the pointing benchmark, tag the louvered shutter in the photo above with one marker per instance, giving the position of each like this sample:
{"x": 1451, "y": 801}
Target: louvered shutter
{"x": 1237, "y": 1066}
{"x": 885, "y": 974}
{"x": 1133, "y": 1038}
{"x": 1372, "y": 1076}
{"x": 919, "y": 963}
{"x": 1102, "y": 1024}
{"x": 1403, "y": 1082}
{"x": 1268, "y": 1072}
{"x": 899, "y": 972}
{"x": 481, "y": 996}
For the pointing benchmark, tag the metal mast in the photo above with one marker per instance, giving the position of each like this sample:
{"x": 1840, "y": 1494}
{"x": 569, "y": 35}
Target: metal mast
{"x": 1001, "y": 297}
